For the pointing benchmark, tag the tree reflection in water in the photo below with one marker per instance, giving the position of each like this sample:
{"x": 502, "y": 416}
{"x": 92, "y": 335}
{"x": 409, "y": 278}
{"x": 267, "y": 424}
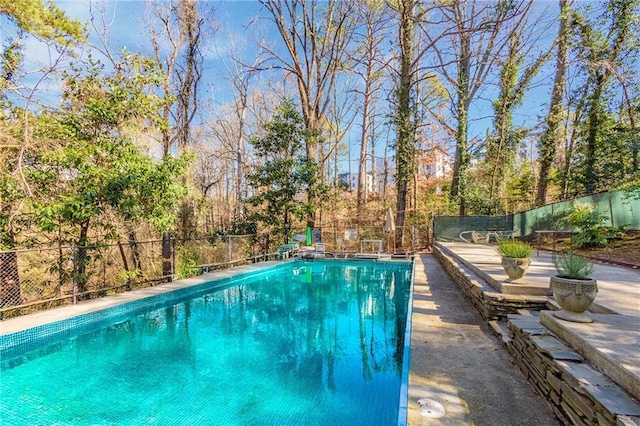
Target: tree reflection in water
{"x": 318, "y": 343}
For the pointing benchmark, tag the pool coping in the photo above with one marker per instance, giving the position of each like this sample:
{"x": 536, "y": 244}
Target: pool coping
{"x": 31, "y": 331}
{"x": 22, "y": 323}
{"x": 403, "y": 405}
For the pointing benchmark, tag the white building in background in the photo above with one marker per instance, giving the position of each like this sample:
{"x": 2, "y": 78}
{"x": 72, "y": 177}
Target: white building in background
{"x": 374, "y": 181}
{"x": 435, "y": 163}
{"x": 350, "y": 180}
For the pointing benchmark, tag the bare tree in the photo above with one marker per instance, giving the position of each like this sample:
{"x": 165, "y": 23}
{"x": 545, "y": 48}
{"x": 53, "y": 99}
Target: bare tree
{"x": 231, "y": 122}
{"x": 370, "y": 68}
{"x": 466, "y": 42}
{"x": 316, "y": 41}
{"x": 176, "y": 31}
{"x": 338, "y": 121}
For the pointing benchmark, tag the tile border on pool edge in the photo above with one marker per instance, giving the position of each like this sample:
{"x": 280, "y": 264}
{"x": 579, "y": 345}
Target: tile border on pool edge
{"x": 403, "y": 403}
{"x": 22, "y": 333}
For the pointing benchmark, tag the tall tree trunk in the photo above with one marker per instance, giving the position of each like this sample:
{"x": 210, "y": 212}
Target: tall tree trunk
{"x": 594, "y": 123}
{"x": 405, "y": 131}
{"x": 82, "y": 258}
{"x": 240, "y": 159}
{"x": 167, "y": 260}
{"x": 362, "y": 163}
{"x": 372, "y": 165}
{"x": 632, "y": 126}
{"x": 461, "y": 162}
{"x": 190, "y": 74}
{"x": 135, "y": 251}
{"x": 567, "y": 171}
{"x": 554, "y": 135}
{"x": 125, "y": 263}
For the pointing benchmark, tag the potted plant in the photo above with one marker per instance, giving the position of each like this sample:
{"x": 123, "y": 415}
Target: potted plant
{"x": 573, "y": 288}
{"x": 515, "y": 257}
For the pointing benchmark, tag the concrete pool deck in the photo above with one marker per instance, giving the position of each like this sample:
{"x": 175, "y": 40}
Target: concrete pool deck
{"x": 458, "y": 365}
{"x": 611, "y": 344}
{"x": 612, "y": 341}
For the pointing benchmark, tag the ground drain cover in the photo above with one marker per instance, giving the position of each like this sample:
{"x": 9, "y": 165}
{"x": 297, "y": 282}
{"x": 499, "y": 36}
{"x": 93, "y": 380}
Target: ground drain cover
{"x": 430, "y": 408}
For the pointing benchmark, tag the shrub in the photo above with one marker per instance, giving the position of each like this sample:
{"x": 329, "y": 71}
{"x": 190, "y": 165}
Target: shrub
{"x": 189, "y": 257}
{"x": 589, "y": 221}
{"x": 515, "y": 248}
{"x": 572, "y": 266}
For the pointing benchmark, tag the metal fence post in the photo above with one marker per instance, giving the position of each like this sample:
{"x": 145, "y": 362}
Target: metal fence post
{"x": 167, "y": 263}
{"x": 413, "y": 239}
{"x": 173, "y": 258}
{"x": 74, "y": 283}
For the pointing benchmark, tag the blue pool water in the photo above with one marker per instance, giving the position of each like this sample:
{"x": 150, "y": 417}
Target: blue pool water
{"x": 316, "y": 343}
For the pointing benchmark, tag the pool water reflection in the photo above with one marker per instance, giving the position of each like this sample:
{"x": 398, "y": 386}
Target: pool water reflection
{"x": 318, "y": 343}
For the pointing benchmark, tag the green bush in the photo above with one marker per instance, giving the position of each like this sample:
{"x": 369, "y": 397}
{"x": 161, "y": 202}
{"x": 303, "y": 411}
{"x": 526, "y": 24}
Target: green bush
{"x": 515, "y": 248}
{"x": 589, "y": 221}
{"x": 572, "y": 266}
{"x": 189, "y": 256}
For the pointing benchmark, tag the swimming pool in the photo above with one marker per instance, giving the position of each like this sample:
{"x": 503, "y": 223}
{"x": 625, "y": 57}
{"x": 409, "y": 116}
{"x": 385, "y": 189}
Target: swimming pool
{"x": 311, "y": 343}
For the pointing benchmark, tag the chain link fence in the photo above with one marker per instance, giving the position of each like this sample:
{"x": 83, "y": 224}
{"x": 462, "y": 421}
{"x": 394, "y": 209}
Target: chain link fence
{"x": 346, "y": 240}
{"x": 42, "y": 278}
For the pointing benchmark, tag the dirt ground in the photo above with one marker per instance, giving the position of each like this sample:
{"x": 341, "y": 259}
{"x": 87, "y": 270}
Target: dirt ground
{"x": 625, "y": 251}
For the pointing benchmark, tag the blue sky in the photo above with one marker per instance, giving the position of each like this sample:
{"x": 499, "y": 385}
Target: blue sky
{"x": 125, "y": 23}
{"x": 238, "y": 24}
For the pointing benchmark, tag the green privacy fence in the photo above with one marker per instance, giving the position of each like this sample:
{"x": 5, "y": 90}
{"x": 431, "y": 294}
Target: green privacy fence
{"x": 450, "y": 227}
{"x": 620, "y": 208}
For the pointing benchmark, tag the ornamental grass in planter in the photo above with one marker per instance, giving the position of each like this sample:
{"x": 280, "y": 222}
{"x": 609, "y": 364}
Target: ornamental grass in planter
{"x": 573, "y": 288}
{"x": 515, "y": 257}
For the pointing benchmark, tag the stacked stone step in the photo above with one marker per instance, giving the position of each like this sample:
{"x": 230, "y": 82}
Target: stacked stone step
{"x": 491, "y": 304}
{"x": 577, "y": 393}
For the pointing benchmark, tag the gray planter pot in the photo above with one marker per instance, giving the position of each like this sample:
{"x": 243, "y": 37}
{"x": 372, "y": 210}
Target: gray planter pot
{"x": 574, "y": 297}
{"x": 515, "y": 267}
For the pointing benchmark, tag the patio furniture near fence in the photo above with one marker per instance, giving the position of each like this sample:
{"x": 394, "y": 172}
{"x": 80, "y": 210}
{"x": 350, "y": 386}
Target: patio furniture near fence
{"x": 487, "y": 236}
{"x": 287, "y": 250}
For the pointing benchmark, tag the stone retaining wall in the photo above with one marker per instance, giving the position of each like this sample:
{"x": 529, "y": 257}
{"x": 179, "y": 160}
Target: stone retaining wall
{"x": 577, "y": 393}
{"x": 491, "y": 304}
